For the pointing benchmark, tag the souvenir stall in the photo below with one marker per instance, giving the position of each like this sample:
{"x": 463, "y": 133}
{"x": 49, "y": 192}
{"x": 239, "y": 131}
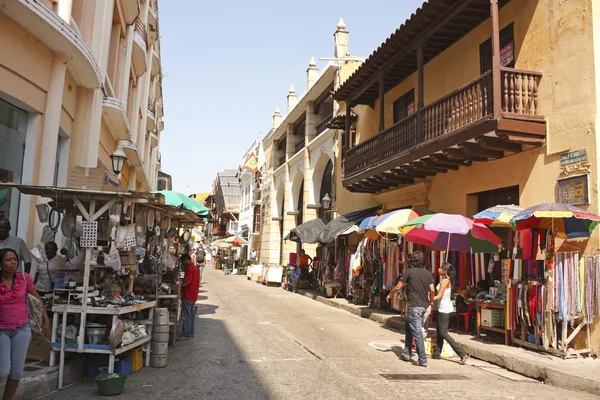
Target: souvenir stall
{"x": 104, "y": 303}
{"x": 553, "y": 293}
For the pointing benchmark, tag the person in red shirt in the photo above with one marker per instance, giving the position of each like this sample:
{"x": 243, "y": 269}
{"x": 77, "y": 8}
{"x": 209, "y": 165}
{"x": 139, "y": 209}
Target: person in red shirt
{"x": 189, "y": 296}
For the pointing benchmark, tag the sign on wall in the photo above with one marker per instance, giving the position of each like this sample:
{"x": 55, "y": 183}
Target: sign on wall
{"x": 573, "y": 157}
{"x": 574, "y": 190}
{"x": 507, "y": 54}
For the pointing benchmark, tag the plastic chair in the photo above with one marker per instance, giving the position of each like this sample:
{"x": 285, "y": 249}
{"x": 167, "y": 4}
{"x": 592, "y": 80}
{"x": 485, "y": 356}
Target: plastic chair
{"x": 466, "y": 316}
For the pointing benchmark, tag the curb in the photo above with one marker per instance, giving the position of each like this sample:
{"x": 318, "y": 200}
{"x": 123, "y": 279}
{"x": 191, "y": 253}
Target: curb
{"x": 530, "y": 368}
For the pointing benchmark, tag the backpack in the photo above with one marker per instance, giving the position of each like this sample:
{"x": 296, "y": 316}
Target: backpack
{"x": 200, "y": 257}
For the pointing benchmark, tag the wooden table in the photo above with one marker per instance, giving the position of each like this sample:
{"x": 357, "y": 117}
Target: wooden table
{"x": 496, "y": 306}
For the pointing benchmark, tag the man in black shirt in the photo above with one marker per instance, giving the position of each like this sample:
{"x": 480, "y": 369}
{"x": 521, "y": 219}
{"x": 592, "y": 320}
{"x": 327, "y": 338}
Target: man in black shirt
{"x": 420, "y": 292}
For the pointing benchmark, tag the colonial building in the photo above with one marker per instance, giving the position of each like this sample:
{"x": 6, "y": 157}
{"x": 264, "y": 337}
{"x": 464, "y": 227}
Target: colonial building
{"x": 226, "y": 203}
{"x": 79, "y": 81}
{"x": 470, "y": 104}
{"x": 250, "y": 203}
{"x": 300, "y": 155}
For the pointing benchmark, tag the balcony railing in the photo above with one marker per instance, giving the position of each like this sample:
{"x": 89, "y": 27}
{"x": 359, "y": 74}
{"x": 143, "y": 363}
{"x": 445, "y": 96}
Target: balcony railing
{"x": 460, "y": 109}
{"x": 321, "y": 126}
{"x": 151, "y": 106}
{"x": 141, "y": 29}
{"x": 300, "y": 145}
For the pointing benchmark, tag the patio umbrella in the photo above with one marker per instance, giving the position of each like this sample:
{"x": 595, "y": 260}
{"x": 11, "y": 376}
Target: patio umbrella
{"x": 451, "y": 232}
{"x": 180, "y": 200}
{"x": 563, "y": 218}
{"x": 216, "y": 243}
{"x": 499, "y": 216}
{"x": 236, "y": 241}
{"x": 390, "y": 222}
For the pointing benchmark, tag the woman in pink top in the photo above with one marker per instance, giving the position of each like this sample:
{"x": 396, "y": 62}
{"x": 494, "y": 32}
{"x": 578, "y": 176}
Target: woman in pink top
{"x": 15, "y": 333}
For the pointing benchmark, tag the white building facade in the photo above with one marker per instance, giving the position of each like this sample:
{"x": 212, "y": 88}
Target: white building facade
{"x": 250, "y": 205}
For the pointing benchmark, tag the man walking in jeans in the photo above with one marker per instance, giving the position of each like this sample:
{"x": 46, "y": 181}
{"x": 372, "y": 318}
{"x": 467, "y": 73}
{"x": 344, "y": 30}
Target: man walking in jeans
{"x": 189, "y": 296}
{"x": 420, "y": 293}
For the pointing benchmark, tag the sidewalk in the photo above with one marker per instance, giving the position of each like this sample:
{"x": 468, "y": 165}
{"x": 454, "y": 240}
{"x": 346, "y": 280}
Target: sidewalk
{"x": 572, "y": 374}
{"x": 39, "y": 379}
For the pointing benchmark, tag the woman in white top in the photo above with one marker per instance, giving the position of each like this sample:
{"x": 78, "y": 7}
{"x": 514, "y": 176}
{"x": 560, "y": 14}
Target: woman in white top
{"x": 47, "y": 270}
{"x": 445, "y": 310}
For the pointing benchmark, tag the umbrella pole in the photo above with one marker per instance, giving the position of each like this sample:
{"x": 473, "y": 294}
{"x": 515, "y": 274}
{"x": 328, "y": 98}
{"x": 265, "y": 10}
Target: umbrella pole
{"x": 448, "y": 247}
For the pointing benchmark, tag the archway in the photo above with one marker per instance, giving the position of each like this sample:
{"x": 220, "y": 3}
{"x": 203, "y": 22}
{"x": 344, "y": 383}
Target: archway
{"x": 297, "y": 188}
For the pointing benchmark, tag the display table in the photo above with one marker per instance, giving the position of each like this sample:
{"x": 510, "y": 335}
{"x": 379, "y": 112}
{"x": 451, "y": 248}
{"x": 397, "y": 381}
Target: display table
{"x": 484, "y": 306}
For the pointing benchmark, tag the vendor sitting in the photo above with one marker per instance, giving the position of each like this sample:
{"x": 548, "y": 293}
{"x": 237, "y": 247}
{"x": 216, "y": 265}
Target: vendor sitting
{"x": 483, "y": 288}
{"x": 304, "y": 262}
{"x": 462, "y": 301}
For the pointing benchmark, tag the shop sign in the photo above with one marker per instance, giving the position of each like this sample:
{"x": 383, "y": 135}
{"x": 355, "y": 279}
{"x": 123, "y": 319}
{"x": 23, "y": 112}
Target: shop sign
{"x": 573, "y": 157}
{"x": 574, "y": 190}
{"x": 93, "y": 179}
{"x": 410, "y": 109}
{"x": 507, "y": 54}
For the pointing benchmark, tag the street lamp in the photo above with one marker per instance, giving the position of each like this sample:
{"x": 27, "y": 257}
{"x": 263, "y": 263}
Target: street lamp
{"x": 326, "y": 202}
{"x": 118, "y": 159}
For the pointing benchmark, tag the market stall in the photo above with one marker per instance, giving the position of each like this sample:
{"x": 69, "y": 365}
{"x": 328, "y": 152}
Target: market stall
{"x": 119, "y": 246}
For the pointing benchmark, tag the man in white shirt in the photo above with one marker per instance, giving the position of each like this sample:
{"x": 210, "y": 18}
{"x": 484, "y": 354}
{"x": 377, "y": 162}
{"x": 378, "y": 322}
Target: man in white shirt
{"x": 8, "y": 241}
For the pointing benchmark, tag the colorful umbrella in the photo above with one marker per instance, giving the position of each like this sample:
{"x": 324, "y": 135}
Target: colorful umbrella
{"x": 451, "y": 232}
{"x": 390, "y": 222}
{"x": 498, "y": 215}
{"x": 236, "y": 241}
{"x": 216, "y": 243}
{"x": 563, "y": 218}
{"x": 180, "y": 200}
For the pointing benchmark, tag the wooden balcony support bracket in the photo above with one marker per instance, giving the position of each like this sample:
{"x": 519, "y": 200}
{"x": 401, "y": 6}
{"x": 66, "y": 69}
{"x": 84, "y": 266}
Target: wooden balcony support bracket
{"x": 473, "y": 149}
{"x": 431, "y": 163}
{"x": 443, "y": 160}
{"x": 458, "y": 154}
{"x": 413, "y": 172}
{"x": 495, "y": 143}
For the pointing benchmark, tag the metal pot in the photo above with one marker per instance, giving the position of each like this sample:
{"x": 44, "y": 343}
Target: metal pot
{"x": 160, "y": 329}
{"x": 161, "y": 316}
{"x": 160, "y": 348}
{"x": 160, "y": 337}
{"x": 95, "y": 334}
{"x": 158, "y": 361}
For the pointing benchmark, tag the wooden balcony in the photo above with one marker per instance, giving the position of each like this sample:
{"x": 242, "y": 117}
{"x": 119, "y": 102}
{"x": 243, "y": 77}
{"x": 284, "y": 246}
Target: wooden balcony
{"x": 321, "y": 126}
{"x": 451, "y": 132}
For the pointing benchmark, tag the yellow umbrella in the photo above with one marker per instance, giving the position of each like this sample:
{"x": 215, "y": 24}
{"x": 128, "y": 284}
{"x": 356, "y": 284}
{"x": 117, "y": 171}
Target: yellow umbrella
{"x": 390, "y": 222}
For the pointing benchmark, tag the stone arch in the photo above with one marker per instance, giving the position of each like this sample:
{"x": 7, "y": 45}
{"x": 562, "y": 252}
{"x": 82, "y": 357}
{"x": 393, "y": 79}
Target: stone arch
{"x": 297, "y": 186}
{"x": 317, "y": 177}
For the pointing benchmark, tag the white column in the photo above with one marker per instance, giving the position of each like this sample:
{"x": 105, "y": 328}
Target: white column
{"x": 132, "y": 178}
{"x": 124, "y": 86}
{"x": 64, "y": 10}
{"x": 52, "y": 120}
{"x": 91, "y": 130}
{"x": 135, "y": 117}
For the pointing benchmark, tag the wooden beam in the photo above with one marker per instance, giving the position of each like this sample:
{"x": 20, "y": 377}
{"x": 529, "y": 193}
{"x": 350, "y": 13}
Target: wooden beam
{"x": 458, "y": 154}
{"x": 419, "y": 171}
{"x": 523, "y": 139}
{"x": 494, "y": 143}
{"x": 473, "y": 149}
{"x": 441, "y": 159}
{"x": 431, "y": 163}
{"x": 497, "y": 88}
{"x": 450, "y": 13}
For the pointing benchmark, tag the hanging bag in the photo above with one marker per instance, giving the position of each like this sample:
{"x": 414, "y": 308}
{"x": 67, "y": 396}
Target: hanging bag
{"x": 34, "y": 309}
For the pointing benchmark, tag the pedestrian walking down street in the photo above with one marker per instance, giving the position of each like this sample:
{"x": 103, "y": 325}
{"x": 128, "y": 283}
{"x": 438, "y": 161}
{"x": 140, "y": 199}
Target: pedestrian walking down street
{"x": 420, "y": 292}
{"x": 445, "y": 310}
{"x": 200, "y": 260}
{"x": 15, "y": 328}
{"x": 189, "y": 296}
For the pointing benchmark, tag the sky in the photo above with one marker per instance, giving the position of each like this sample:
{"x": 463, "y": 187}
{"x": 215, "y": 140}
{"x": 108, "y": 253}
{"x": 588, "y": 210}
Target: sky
{"x": 228, "y": 64}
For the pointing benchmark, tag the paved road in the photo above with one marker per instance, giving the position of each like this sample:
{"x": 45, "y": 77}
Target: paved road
{"x": 257, "y": 342}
